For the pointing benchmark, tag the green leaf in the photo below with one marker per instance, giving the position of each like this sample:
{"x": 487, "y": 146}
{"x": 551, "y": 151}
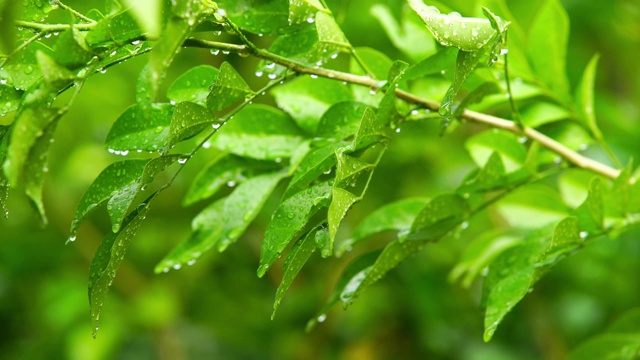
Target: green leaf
{"x": 548, "y": 37}
{"x": 482, "y": 146}
{"x": 228, "y": 89}
{"x": 147, "y": 14}
{"x": 467, "y": 34}
{"x": 264, "y": 17}
{"x": 618, "y": 200}
{"x": 397, "y": 216}
{"x": 243, "y": 205}
{"x": 296, "y": 258}
{"x": 590, "y": 213}
{"x": 375, "y": 63}
{"x": 295, "y": 46}
{"x": 71, "y": 49}
{"x": 259, "y": 132}
{"x": 341, "y": 201}
{"x": 393, "y": 255}
{"x": 388, "y": 114}
{"x": 480, "y": 253}
{"x": 371, "y": 131}
{"x": 316, "y": 162}
{"x": 305, "y": 97}
{"x": 223, "y": 169}
{"x": 610, "y": 347}
{"x": 137, "y": 130}
{"x": 441, "y": 61}
{"x": 350, "y": 276}
{"x": 541, "y": 113}
{"x": 490, "y": 177}
{"x": 206, "y": 232}
{"x": 301, "y": 11}
{"x": 516, "y": 270}
{"x": 9, "y": 99}
{"x": 290, "y": 217}
{"x": 341, "y": 120}
{"x": 54, "y": 74}
{"x": 22, "y": 70}
{"x": 408, "y": 35}
{"x": 585, "y": 97}
{"x": 27, "y": 150}
{"x": 438, "y": 218}
{"x": 330, "y": 37}
{"x": 118, "y": 184}
{"x": 532, "y": 206}
{"x": 188, "y": 120}
{"x": 35, "y": 10}
{"x": 193, "y": 85}
{"x": 108, "y": 258}
{"x": 118, "y": 28}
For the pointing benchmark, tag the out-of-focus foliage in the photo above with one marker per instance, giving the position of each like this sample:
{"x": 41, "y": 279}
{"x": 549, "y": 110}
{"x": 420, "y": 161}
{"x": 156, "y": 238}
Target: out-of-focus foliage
{"x": 427, "y": 307}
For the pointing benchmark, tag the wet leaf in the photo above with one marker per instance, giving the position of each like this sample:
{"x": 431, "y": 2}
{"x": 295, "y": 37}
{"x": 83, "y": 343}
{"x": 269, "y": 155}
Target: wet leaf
{"x": 259, "y": 132}
{"x": 441, "y": 215}
{"x": 134, "y": 130}
{"x": 188, "y": 120}
{"x": 22, "y": 70}
{"x": 108, "y": 258}
{"x": 482, "y": 146}
{"x": 71, "y": 49}
{"x": 590, "y": 213}
{"x": 289, "y": 219}
{"x": 9, "y": 99}
{"x": 301, "y": 11}
{"x": 341, "y": 120}
{"x": 243, "y": 205}
{"x": 609, "y": 346}
{"x": 54, "y": 74}
{"x": 316, "y": 162}
{"x": 397, "y": 216}
{"x": 228, "y": 88}
{"x": 532, "y": 206}
{"x": 223, "y": 169}
{"x": 296, "y": 258}
{"x": 119, "y": 184}
{"x": 408, "y": 34}
{"x": 193, "y": 85}
{"x": 265, "y": 17}
{"x": 147, "y": 14}
{"x": 305, "y": 97}
{"x": 206, "y": 229}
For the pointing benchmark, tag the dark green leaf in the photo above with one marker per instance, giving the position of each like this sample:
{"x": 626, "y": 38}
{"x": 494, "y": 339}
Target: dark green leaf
{"x": 259, "y": 132}
{"x": 330, "y": 36}
{"x": 305, "y": 97}
{"x": 228, "y": 89}
{"x": 548, "y": 37}
{"x": 296, "y": 258}
{"x": 108, "y": 258}
{"x": 136, "y": 131}
{"x": 207, "y": 231}
{"x": 193, "y": 85}
{"x": 291, "y": 217}
{"x": 243, "y": 205}
{"x": 443, "y": 60}
{"x": 371, "y": 131}
{"x": 119, "y": 28}
{"x": 189, "y": 119}
{"x": 35, "y": 10}
{"x": 295, "y": 46}
{"x": 397, "y": 216}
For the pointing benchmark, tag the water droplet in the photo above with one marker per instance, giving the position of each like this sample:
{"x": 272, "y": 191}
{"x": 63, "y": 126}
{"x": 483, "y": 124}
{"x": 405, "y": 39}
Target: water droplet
{"x": 272, "y": 76}
{"x": 504, "y": 51}
{"x": 231, "y": 183}
{"x": 311, "y": 20}
{"x": 464, "y": 225}
{"x": 206, "y": 144}
{"x": 522, "y": 139}
{"x": 221, "y": 12}
{"x": 215, "y": 51}
{"x": 72, "y": 238}
{"x": 397, "y": 130}
{"x": 314, "y": 76}
{"x": 583, "y": 234}
{"x": 322, "y": 318}
{"x": 3, "y": 81}
{"x": 270, "y": 65}
{"x": 177, "y": 266}
{"x": 191, "y": 262}
{"x": 165, "y": 270}
{"x": 259, "y": 73}
{"x": 183, "y": 160}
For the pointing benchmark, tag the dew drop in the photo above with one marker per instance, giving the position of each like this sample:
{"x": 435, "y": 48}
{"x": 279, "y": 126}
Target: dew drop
{"x": 177, "y": 266}
{"x": 322, "y": 318}
{"x": 206, "y": 145}
{"x": 165, "y": 270}
{"x": 414, "y": 112}
{"x": 583, "y": 234}
{"x": 272, "y": 76}
{"x": 72, "y": 238}
{"x": 191, "y": 262}
{"x": 259, "y": 73}
{"x": 231, "y": 183}
{"x": 314, "y": 76}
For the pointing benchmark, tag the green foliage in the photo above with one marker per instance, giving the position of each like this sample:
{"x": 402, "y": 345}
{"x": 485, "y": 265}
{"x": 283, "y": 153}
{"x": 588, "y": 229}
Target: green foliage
{"x": 299, "y": 152}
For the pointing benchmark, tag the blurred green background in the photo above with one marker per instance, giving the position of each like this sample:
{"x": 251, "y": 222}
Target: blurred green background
{"x": 218, "y": 308}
